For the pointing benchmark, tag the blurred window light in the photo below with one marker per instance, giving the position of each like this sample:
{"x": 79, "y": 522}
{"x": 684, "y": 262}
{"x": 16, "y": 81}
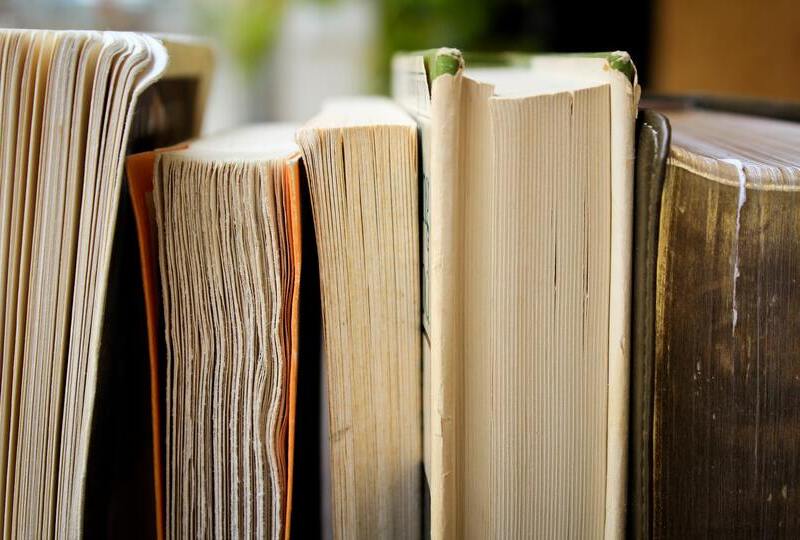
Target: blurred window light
{"x": 87, "y": 3}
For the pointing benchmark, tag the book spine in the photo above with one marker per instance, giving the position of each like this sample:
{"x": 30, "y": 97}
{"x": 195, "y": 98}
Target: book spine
{"x": 444, "y": 205}
{"x": 651, "y": 152}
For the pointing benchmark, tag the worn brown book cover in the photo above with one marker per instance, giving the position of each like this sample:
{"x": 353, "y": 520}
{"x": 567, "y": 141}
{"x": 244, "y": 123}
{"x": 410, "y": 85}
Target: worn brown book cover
{"x": 716, "y": 360}
{"x": 726, "y": 397}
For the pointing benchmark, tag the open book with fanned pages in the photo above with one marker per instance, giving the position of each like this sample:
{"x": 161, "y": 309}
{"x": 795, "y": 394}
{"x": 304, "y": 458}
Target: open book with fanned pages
{"x": 76, "y": 431}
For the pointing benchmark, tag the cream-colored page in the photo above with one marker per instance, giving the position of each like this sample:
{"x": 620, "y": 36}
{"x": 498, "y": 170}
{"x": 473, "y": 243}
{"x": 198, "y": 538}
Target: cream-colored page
{"x": 37, "y": 71}
{"x": 147, "y": 63}
{"x": 437, "y": 114}
{"x": 411, "y": 91}
{"x": 445, "y": 207}
{"x": 358, "y": 145}
{"x": 624, "y": 102}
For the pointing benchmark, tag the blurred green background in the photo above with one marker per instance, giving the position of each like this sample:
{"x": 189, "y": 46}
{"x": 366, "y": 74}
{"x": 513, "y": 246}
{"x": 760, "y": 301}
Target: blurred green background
{"x": 278, "y": 59}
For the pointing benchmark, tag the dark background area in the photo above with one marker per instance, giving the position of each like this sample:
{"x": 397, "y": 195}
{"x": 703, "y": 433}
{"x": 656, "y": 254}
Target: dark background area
{"x": 519, "y": 25}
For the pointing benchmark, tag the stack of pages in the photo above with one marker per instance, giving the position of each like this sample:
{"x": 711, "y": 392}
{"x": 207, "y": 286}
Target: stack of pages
{"x": 361, "y": 160}
{"x": 526, "y": 206}
{"x": 225, "y": 211}
{"x": 228, "y": 243}
{"x": 72, "y": 103}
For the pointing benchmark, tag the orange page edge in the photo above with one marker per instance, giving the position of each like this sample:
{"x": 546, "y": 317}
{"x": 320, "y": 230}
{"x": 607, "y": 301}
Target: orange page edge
{"x": 139, "y": 168}
{"x": 292, "y": 190}
{"x": 140, "y": 171}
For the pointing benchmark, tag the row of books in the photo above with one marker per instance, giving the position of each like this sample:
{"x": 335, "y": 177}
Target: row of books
{"x": 544, "y": 310}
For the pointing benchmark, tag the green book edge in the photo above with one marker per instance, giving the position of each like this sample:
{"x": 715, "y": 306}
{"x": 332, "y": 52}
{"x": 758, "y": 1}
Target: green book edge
{"x": 442, "y": 61}
{"x": 450, "y": 61}
{"x": 617, "y": 60}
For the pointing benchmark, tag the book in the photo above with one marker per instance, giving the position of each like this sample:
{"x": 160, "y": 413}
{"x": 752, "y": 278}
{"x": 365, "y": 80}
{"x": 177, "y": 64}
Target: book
{"x": 715, "y": 435}
{"x": 225, "y": 212}
{"x": 361, "y": 161}
{"x": 527, "y": 187}
{"x": 73, "y": 103}
{"x": 211, "y": 203}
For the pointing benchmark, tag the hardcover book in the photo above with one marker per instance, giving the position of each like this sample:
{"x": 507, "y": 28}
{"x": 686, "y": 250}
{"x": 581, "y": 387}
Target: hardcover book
{"x": 526, "y": 216}
{"x": 715, "y": 355}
